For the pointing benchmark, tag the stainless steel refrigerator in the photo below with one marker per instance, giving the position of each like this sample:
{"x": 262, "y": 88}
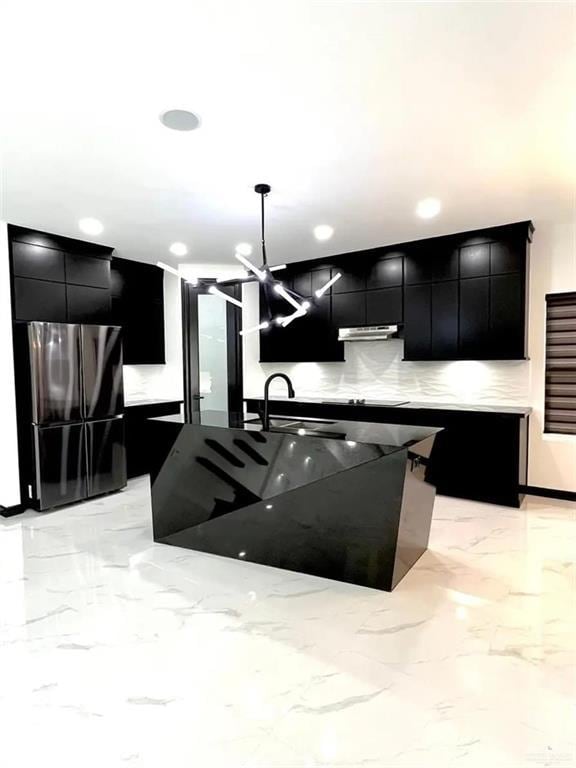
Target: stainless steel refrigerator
{"x": 76, "y": 402}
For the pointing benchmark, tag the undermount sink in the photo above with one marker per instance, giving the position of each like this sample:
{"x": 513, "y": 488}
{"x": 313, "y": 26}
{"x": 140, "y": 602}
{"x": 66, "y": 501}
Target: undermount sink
{"x": 281, "y": 422}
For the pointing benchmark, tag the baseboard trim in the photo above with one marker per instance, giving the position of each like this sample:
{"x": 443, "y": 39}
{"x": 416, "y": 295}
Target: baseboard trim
{"x": 551, "y": 493}
{"x": 11, "y": 511}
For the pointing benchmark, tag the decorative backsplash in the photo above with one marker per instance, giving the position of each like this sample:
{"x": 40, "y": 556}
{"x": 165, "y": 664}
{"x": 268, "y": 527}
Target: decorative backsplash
{"x": 375, "y": 370}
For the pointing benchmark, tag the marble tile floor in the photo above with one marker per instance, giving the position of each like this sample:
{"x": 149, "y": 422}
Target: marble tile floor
{"x": 115, "y": 651}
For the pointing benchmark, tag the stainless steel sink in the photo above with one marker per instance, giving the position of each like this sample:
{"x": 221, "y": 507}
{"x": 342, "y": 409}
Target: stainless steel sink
{"x": 284, "y": 421}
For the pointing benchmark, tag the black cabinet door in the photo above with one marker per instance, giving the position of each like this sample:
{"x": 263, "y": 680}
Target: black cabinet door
{"x": 385, "y": 273}
{"x": 474, "y": 318}
{"x": 302, "y": 283}
{"x": 475, "y": 260}
{"x": 417, "y": 322}
{"x": 39, "y": 300}
{"x": 444, "y": 314}
{"x": 353, "y": 279}
{"x": 430, "y": 263}
{"x": 384, "y": 306}
{"x": 138, "y": 306}
{"x": 88, "y": 305}
{"x": 307, "y": 339}
{"x": 87, "y": 270}
{"x": 137, "y": 437}
{"x": 507, "y": 316}
{"x": 277, "y": 344}
{"x": 319, "y": 279}
{"x": 38, "y": 262}
{"x": 507, "y": 257}
{"x": 349, "y": 309}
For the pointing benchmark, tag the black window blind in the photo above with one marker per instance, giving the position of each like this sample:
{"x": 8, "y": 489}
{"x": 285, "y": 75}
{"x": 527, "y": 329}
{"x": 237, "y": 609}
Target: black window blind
{"x": 560, "y": 397}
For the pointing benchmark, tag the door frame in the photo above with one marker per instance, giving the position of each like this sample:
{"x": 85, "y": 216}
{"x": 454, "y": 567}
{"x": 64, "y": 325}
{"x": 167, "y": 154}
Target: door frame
{"x": 190, "y": 348}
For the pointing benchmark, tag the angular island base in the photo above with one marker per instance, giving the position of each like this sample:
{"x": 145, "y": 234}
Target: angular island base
{"x": 354, "y": 504}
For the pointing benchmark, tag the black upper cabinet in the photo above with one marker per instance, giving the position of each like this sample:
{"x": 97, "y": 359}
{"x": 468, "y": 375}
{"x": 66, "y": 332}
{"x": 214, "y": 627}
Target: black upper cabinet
{"x": 444, "y": 320}
{"x": 59, "y": 279}
{"x": 384, "y": 306}
{"x": 312, "y": 338}
{"x": 385, "y": 273}
{"x": 88, "y": 305}
{"x": 475, "y": 318}
{"x": 475, "y": 260}
{"x": 39, "y": 300}
{"x": 302, "y": 283}
{"x": 88, "y": 270}
{"x": 138, "y": 306}
{"x": 430, "y": 262}
{"x": 431, "y": 321}
{"x": 319, "y": 279}
{"x": 507, "y": 337}
{"x": 38, "y": 262}
{"x": 507, "y": 256}
{"x": 349, "y": 309}
{"x": 459, "y": 296}
{"x": 353, "y": 279}
{"x": 417, "y": 322}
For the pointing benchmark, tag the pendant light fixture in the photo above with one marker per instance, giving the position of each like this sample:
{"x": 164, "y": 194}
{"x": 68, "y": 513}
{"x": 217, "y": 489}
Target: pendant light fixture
{"x": 298, "y": 304}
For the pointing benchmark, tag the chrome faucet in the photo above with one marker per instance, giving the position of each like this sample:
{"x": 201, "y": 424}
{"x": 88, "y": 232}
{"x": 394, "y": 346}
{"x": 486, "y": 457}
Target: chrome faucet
{"x": 266, "y": 412}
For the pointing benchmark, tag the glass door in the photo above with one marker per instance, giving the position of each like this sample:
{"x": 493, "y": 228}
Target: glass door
{"x": 212, "y": 351}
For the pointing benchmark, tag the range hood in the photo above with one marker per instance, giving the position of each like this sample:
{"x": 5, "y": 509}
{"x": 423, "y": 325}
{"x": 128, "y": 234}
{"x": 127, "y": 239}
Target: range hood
{"x": 368, "y": 333}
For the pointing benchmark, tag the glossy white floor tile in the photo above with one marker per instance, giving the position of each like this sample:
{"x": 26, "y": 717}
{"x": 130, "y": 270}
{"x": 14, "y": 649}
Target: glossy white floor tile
{"x": 115, "y": 651}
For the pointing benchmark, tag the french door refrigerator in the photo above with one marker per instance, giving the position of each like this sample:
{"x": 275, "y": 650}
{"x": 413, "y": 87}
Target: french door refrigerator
{"x": 76, "y": 403}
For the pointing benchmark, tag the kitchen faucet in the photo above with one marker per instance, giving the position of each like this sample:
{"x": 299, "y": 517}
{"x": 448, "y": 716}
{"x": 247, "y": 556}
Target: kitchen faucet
{"x": 266, "y": 412}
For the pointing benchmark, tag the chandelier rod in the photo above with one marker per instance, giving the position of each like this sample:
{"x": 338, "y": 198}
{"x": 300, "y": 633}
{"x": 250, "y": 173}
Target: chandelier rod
{"x": 262, "y": 190}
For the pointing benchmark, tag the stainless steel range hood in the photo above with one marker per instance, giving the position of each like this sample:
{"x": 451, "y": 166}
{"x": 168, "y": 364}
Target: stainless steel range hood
{"x": 368, "y": 333}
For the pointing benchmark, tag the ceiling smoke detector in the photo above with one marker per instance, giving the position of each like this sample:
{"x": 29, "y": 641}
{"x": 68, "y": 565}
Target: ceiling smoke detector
{"x": 180, "y": 120}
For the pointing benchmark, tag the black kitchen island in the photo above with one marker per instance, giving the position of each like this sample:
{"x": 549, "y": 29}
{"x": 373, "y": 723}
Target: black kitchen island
{"x": 350, "y": 501}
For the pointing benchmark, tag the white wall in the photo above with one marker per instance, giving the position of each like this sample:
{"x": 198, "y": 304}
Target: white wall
{"x": 9, "y": 476}
{"x": 553, "y": 270}
{"x": 142, "y": 382}
{"x": 375, "y": 369}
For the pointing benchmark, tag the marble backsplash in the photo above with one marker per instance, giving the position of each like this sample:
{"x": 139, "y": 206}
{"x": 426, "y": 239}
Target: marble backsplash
{"x": 375, "y": 370}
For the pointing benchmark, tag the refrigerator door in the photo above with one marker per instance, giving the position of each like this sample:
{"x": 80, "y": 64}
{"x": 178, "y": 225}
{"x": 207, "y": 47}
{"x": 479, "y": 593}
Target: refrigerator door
{"x": 55, "y": 376}
{"x": 60, "y": 464}
{"x": 102, "y": 371}
{"x": 106, "y": 455}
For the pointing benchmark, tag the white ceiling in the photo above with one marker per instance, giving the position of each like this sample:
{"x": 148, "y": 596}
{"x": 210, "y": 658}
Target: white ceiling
{"x": 352, "y": 111}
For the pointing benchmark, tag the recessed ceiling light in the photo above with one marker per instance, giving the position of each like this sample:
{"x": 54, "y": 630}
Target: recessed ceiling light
{"x": 244, "y": 249}
{"x": 428, "y": 208}
{"x": 90, "y": 226}
{"x": 323, "y": 232}
{"x": 178, "y": 249}
{"x": 180, "y": 120}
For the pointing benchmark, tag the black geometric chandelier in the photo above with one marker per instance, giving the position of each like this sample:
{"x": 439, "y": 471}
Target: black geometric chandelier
{"x": 298, "y": 305}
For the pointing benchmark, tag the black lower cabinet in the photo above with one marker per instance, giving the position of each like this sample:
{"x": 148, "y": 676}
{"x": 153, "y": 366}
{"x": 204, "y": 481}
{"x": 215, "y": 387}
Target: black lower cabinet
{"x": 479, "y": 455}
{"x": 138, "y": 450}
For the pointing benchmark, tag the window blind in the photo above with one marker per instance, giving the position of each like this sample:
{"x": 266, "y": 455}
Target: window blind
{"x": 560, "y": 397}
